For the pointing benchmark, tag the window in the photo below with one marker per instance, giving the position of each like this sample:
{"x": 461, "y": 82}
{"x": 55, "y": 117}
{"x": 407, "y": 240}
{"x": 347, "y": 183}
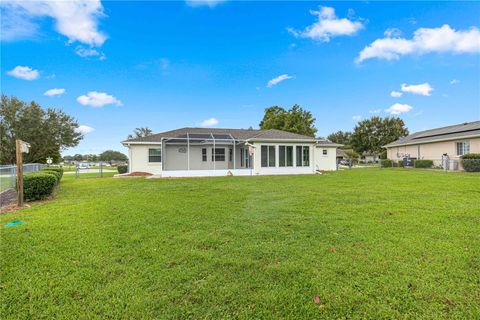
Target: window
{"x": 268, "y": 156}
{"x": 154, "y": 155}
{"x": 204, "y": 154}
{"x": 463, "y": 148}
{"x": 242, "y": 157}
{"x": 218, "y": 154}
{"x": 303, "y": 156}
{"x": 325, "y": 152}
{"x": 285, "y": 156}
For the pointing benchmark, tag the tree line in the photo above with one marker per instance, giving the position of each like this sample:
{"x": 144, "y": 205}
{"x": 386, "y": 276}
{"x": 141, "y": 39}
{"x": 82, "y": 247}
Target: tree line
{"x": 50, "y": 131}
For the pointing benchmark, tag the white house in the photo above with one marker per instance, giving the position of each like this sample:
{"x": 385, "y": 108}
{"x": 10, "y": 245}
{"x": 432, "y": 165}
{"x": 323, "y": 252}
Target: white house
{"x": 190, "y": 152}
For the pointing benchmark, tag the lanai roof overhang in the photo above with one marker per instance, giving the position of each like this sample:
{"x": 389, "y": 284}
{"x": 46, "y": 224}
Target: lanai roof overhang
{"x": 203, "y": 139}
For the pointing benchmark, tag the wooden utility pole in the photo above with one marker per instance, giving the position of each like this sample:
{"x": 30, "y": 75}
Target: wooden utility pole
{"x": 18, "y": 144}
{"x": 21, "y": 146}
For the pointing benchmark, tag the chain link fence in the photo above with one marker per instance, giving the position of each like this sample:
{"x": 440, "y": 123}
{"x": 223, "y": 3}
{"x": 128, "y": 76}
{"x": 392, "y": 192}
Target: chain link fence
{"x": 8, "y": 174}
{"x": 445, "y": 164}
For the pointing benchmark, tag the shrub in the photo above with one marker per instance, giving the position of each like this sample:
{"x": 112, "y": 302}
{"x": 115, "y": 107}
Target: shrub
{"x": 423, "y": 163}
{"x": 385, "y": 163}
{"x": 56, "y": 169}
{"x": 57, "y": 174}
{"x": 471, "y": 162}
{"x": 122, "y": 169}
{"x": 54, "y": 174}
{"x": 400, "y": 163}
{"x": 38, "y": 185}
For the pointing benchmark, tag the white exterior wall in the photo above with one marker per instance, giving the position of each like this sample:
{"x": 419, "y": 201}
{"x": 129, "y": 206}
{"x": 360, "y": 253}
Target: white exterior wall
{"x": 138, "y": 159}
{"x": 325, "y": 162}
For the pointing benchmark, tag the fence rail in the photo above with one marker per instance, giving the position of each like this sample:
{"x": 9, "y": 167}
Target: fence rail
{"x": 8, "y": 174}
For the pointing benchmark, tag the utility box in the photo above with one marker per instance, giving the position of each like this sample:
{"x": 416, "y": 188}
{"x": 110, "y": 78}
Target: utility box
{"x": 409, "y": 162}
{"x": 453, "y": 165}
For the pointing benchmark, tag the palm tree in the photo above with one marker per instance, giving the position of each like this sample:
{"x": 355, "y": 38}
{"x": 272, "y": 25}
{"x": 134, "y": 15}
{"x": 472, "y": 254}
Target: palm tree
{"x": 140, "y": 133}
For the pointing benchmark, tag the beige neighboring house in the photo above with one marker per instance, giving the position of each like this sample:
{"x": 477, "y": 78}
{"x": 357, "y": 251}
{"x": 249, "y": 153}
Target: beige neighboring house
{"x": 437, "y": 144}
{"x": 195, "y": 152}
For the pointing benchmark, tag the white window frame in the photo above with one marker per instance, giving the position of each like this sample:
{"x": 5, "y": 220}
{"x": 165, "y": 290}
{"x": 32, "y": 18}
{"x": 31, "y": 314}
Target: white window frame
{"x": 302, "y": 158}
{"x": 158, "y": 149}
{"x": 268, "y": 146}
{"x": 465, "y": 149}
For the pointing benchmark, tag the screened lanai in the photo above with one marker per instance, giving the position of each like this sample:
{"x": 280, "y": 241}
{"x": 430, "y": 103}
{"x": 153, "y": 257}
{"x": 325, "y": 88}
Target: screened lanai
{"x": 205, "y": 151}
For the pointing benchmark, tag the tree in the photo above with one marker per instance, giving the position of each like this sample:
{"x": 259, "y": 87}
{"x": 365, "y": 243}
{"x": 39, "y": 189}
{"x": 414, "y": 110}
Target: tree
{"x": 295, "y": 120}
{"x": 78, "y": 157}
{"x": 111, "y": 155}
{"x": 340, "y": 137}
{"x": 140, "y": 133}
{"x": 372, "y": 134}
{"x": 47, "y": 130}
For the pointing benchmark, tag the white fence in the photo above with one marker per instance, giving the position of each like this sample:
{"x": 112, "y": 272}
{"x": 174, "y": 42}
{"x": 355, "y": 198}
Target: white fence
{"x": 8, "y": 174}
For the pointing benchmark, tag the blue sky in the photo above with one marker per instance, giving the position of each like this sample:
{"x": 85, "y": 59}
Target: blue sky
{"x": 120, "y": 65}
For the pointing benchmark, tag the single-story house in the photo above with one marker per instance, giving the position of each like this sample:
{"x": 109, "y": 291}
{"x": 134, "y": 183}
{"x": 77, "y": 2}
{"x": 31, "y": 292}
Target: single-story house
{"x": 438, "y": 144}
{"x": 197, "y": 152}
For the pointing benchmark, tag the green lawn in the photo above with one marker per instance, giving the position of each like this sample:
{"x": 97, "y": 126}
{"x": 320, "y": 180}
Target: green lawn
{"x": 371, "y": 243}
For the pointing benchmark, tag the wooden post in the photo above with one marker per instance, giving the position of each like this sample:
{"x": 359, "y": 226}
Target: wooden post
{"x": 19, "y": 173}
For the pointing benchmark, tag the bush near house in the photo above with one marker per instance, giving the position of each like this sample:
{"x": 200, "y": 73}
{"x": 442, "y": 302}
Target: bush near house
{"x": 57, "y": 174}
{"x": 423, "y": 163}
{"x": 38, "y": 185}
{"x": 122, "y": 169}
{"x": 400, "y": 163}
{"x": 471, "y": 162}
{"x": 386, "y": 163}
{"x": 55, "y": 169}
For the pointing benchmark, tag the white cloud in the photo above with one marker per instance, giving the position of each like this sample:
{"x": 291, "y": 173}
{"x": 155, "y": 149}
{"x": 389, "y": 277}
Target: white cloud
{"x": 455, "y": 81}
{"x": 209, "y": 122}
{"x": 425, "y": 40}
{"x": 278, "y": 79}
{"x": 200, "y": 3}
{"x": 98, "y": 99}
{"x": 54, "y": 92}
{"x": 392, "y": 33}
{"x": 357, "y": 118}
{"x": 89, "y": 52}
{"x": 423, "y": 89}
{"x": 398, "y": 108}
{"x": 24, "y": 72}
{"x": 83, "y": 129}
{"x": 375, "y": 111}
{"x": 77, "y": 20}
{"x": 328, "y": 26}
{"x": 396, "y": 94}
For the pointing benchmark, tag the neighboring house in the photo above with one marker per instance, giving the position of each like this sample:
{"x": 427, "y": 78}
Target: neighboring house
{"x": 369, "y": 157}
{"x": 218, "y": 152}
{"x": 452, "y": 141}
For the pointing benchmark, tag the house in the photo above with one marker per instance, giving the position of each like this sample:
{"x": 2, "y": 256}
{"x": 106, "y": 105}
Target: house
{"x": 189, "y": 152}
{"x": 437, "y": 144}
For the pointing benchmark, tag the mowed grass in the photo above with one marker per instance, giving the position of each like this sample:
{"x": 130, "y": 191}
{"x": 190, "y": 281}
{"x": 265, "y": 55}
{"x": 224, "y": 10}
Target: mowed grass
{"x": 370, "y": 243}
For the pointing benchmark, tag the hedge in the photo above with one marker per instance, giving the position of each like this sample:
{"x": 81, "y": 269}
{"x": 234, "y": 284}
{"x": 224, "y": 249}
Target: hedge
{"x": 471, "y": 162}
{"x": 38, "y": 185}
{"x": 57, "y": 174}
{"x": 122, "y": 169}
{"x": 385, "y": 163}
{"x": 54, "y": 174}
{"x": 56, "y": 169}
{"x": 423, "y": 163}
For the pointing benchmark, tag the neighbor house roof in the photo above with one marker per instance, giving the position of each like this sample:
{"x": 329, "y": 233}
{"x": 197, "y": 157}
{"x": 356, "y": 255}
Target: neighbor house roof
{"x": 458, "y": 131}
{"x": 237, "y": 134}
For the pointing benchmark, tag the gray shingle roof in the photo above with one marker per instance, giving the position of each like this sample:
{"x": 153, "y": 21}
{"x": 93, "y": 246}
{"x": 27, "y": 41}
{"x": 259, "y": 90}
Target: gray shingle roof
{"x": 240, "y": 134}
{"x": 463, "y": 130}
